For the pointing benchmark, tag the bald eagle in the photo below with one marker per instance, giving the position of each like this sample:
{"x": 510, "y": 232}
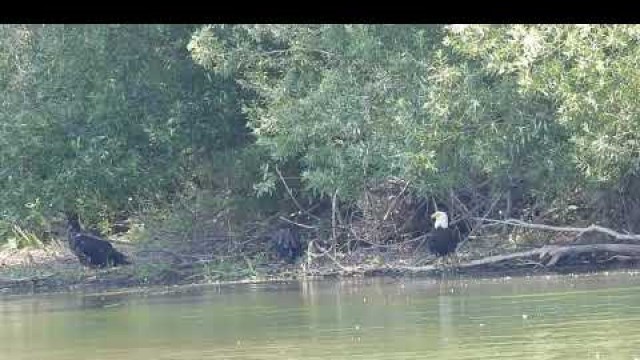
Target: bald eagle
{"x": 90, "y": 249}
{"x": 442, "y": 240}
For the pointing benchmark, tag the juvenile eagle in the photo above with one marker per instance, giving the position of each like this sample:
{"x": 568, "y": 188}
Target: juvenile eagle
{"x": 287, "y": 244}
{"x": 90, "y": 249}
{"x": 442, "y": 240}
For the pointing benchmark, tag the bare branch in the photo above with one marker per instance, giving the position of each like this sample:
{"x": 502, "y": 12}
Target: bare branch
{"x": 334, "y": 210}
{"x": 291, "y": 194}
{"x": 325, "y": 252}
{"x": 297, "y": 224}
{"x": 579, "y": 230}
{"x": 393, "y": 204}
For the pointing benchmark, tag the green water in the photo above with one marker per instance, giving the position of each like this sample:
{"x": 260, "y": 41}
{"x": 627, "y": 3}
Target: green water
{"x": 587, "y": 317}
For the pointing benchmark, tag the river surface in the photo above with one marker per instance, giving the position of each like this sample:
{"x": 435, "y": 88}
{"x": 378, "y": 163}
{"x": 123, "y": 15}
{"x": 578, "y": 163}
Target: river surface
{"x": 552, "y": 317}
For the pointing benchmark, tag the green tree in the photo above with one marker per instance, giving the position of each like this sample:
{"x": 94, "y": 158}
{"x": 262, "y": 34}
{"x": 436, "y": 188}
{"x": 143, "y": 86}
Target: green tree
{"x": 345, "y": 102}
{"x": 440, "y": 106}
{"x": 586, "y": 71}
{"x": 100, "y": 119}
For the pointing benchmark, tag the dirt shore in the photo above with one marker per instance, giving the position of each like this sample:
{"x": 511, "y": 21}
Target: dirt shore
{"x": 54, "y": 269}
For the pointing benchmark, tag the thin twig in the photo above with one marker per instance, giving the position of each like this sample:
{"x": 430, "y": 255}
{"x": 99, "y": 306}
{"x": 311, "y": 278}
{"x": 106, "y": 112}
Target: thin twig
{"x": 335, "y": 261}
{"x": 288, "y": 189}
{"x": 376, "y": 245}
{"x": 479, "y": 222}
{"x": 297, "y": 224}
{"x": 334, "y": 209}
{"x": 395, "y": 201}
{"x": 311, "y": 254}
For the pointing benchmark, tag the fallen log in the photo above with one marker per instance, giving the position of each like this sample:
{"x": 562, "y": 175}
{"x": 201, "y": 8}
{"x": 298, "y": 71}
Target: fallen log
{"x": 548, "y": 258}
{"x": 551, "y": 255}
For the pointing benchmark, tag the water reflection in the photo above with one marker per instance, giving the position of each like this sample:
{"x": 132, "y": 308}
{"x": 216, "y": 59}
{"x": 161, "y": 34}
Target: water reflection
{"x": 542, "y": 318}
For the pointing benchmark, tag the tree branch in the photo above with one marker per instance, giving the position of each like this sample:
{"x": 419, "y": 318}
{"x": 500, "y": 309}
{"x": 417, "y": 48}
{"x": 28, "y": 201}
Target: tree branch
{"x": 302, "y": 210}
{"x": 297, "y": 224}
{"x": 579, "y": 230}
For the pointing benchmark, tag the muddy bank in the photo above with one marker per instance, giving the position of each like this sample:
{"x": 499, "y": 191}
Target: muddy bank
{"x": 54, "y": 269}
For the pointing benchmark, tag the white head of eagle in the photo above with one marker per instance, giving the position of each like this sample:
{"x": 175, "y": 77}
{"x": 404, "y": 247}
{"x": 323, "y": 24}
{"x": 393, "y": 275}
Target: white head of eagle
{"x": 441, "y": 220}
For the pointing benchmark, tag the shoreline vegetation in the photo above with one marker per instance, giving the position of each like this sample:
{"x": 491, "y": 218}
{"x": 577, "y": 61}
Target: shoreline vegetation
{"x": 54, "y": 269}
{"x": 236, "y": 152}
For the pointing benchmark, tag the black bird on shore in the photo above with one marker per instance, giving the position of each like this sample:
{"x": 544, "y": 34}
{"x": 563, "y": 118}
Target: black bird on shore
{"x": 287, "y": 244}
{"x": 91, "y": 250}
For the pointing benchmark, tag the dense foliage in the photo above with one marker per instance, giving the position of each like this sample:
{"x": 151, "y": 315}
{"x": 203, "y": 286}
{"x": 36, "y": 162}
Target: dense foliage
{"x": 551, "y": 106}
{"x": 99, "y": 119}
{"x": 104, "y": 119}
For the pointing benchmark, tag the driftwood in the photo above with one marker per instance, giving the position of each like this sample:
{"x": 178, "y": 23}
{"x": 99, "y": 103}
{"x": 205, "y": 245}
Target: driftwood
{"x": 547, "y": 258}
{"x": 578, "y": 230}
{"x": 551, "y": 255}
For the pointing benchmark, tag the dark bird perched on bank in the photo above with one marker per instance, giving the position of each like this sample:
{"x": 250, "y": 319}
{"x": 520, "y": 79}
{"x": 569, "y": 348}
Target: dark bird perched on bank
{"x": 90, "y": 249}
{"x": 442, "y": 240}
{"x": 287, "y": 244}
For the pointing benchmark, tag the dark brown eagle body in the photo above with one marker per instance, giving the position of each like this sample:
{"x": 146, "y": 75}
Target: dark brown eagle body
{"x": 90, "y": 249}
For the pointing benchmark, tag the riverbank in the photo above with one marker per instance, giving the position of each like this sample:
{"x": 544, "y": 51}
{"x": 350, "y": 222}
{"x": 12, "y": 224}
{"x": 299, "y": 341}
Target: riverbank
{"x": 54, "y": 269}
